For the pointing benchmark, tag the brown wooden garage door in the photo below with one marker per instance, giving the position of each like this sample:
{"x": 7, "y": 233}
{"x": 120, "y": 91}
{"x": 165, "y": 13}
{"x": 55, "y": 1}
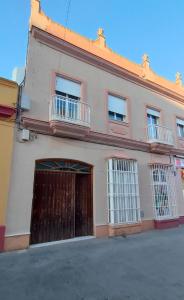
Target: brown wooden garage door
{"x": 62, "y": 206}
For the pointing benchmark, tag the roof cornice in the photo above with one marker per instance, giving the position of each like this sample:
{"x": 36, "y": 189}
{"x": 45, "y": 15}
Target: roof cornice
{"x": 140, "y": 73}
{"x": 7, "y": 82}
{"x": 69, "y": 49}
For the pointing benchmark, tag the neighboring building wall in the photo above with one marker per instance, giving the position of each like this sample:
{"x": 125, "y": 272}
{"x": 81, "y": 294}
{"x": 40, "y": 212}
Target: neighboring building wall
{"x": 8, "y": 100}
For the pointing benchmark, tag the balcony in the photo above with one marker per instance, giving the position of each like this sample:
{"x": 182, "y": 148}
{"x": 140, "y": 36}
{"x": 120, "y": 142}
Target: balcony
{"x": 160, "y": 138}
{"x": 69, "y": 117}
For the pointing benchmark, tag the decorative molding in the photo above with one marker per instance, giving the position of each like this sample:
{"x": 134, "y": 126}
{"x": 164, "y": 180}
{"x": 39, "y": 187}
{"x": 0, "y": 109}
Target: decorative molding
{"x": 134, "y": 73}
{"x": 99, "y": 48}
{"x": 7, "y": 111}
{"x": 85, "y": 134}
{"x": 65, "y": 129}
{"x": 116, "y": 141}
{"x": 67, "y": 48}
{"x": 37, "y": 125}
{"x": 160, "y": 148}
{"x": 179, "y": 79}
{"x": 7, "y": 82}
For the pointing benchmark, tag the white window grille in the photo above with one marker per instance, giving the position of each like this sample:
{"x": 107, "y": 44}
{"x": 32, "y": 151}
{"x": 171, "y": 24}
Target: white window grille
{"x": 164, "y": 194}
{"x": 123, "y": 191}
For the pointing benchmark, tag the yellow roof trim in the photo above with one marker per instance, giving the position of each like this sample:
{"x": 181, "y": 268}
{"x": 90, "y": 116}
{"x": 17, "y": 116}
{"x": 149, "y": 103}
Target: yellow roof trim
{"x": 8, "y": 82}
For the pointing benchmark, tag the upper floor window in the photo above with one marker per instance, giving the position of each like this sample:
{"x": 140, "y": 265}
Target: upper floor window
{"x": 180, "y": 127}
{"x": 152, "y": 116}
{"x": 152, "y": 122}
{"x": 67, "y": 104}
{"x": 68, "y": 88}
{"x": 117, "y": 108}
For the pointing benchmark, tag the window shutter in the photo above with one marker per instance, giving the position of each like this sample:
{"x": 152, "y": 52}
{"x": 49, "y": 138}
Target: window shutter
{"x": 180, "y": 122}
{"x": 153, "y": 112}
{"x": 68, "y": 87}
{"x": 117, "y": 105}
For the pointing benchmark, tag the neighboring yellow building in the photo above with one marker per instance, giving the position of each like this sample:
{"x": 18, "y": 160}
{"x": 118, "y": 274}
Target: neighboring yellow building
{"x": 8, "y": 100}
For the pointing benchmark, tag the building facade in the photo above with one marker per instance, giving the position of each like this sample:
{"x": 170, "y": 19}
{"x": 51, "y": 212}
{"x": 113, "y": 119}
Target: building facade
{"x": 104, "y": 142}
{"x": 8, "y": 100}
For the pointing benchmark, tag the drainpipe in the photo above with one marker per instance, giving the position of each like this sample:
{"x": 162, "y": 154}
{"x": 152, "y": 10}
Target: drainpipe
{"x": 18, "y": 110}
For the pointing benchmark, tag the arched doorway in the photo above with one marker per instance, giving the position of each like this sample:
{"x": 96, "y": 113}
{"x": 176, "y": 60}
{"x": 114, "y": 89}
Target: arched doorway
{"x": 62, "y": 200}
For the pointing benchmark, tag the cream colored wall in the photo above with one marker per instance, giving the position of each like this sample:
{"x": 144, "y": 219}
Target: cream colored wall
{"x": 45, "y": 60}
{"x": 25, "y": 155}
{"x": 42, "y": 62}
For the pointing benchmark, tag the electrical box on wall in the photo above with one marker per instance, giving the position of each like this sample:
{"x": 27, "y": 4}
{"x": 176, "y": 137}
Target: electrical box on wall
{"x": 25, "y": 135}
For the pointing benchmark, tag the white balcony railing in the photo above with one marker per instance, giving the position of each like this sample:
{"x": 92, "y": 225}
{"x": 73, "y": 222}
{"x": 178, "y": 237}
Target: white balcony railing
{"x": 69, "y": 110}
{"x": 160, "y": 134}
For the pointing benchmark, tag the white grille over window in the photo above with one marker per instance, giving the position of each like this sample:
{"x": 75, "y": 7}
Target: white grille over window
{"x": 164, "y": 194}
{"x": 123, "y": 191}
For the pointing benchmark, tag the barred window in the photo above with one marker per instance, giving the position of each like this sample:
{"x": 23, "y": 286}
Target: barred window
{"x": 123, "y": 191}
{"x": 163, "y": 187}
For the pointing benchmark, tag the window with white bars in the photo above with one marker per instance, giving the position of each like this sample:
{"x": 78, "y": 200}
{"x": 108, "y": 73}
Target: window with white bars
{"x": 123, "y": 191}
{"x": 164, "y": 195}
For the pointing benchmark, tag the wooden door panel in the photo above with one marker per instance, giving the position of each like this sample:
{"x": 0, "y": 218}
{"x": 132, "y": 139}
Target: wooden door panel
{"x": 53, "y": 206}
{"x": 83, "y": 206}
{"x": 62, "y": 206}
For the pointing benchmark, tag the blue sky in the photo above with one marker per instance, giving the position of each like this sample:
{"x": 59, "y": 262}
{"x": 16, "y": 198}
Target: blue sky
{"x": 132, "y": 27}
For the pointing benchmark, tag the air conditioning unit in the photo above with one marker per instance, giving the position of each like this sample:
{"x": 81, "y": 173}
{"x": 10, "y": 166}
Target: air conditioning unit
{"x": 24, "y": 135}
